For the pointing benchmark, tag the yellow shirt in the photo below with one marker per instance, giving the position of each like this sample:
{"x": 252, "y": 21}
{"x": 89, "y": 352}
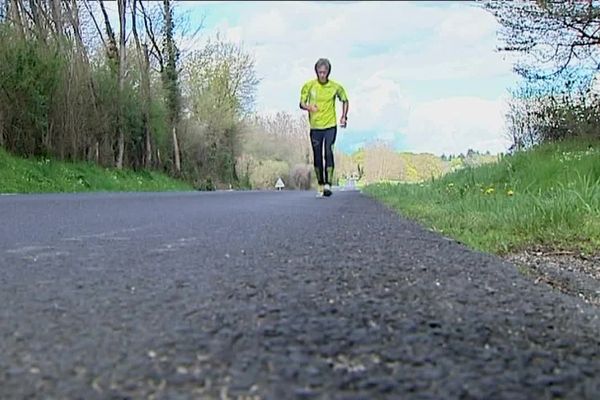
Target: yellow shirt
{"x": 323, "y": 96}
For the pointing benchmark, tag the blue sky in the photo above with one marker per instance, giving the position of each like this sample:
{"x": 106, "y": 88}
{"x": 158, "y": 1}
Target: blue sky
{"x": 422, "y": 75}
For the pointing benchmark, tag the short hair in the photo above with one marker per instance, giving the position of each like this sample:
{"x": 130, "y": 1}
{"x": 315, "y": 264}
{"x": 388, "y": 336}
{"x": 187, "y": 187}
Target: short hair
{"x": 323, "y": 62}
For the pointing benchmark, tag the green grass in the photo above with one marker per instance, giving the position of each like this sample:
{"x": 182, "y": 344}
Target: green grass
{"x": 547, "y": 197}
{"x": 43, "y": 175}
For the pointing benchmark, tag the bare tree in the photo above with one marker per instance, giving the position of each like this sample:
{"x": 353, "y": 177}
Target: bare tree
{"x": 57, "y": 19}
{"x": 144, "y": 64}
{"x": 3, "y": 10}
{"x": 117, "y": 57}
{"x": 151, "y": 20}
{"x": 112, "y": 51}
{"x": 552, "y": 36}
{"x": 95, "y": 22}
{"x": 121, "y": 5}
{"x": 171, "y": 80}
{"x": 15, "y": 10}
{"x": 382, "y": 162}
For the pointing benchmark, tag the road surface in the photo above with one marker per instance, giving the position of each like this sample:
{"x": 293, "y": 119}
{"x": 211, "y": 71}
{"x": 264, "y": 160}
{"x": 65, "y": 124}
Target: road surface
{"x": 271, "y": 295}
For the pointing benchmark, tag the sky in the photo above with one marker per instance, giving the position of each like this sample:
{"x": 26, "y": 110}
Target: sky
{"x": 423, "y": 76}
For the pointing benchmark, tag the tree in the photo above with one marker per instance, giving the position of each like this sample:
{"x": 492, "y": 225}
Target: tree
{"x": 3, "y": 10}
{"x": 121, "y": 5}
{"x": 281, "y": 137}
{"x": 382, "y": 162}
{"x": 116, "y": 57}
{"x": 144, "y": 65}
{"x": 558, "y": 43}
{"x": 170, "y": 78}
{"x": 227, "y": 69}
{"x": 220, "y": 82}
{"x": 345, "y": 165}
{"x": 556, "y": 38}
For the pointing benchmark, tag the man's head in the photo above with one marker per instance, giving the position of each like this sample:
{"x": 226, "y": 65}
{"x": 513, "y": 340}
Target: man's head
{"x": 323, "y": 69}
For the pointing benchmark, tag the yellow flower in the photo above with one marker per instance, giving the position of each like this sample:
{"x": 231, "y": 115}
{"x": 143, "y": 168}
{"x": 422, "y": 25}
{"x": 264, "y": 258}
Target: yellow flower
{"x": 451, "y": 184}
{"x": 489, "y": 191}
{"x": 510, "y": 193}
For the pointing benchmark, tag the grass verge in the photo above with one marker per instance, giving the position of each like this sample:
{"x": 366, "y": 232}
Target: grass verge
{"x": 546, "y": 197}
{"x": 43, "y": 175}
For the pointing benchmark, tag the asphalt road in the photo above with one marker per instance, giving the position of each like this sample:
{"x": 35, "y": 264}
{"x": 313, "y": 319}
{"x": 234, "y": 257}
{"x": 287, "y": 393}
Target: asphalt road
{"x": 271, "y": 295}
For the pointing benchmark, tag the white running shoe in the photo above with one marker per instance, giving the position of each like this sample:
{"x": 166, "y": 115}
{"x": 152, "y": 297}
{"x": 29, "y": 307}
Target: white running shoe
{"x": 320, "y": 191}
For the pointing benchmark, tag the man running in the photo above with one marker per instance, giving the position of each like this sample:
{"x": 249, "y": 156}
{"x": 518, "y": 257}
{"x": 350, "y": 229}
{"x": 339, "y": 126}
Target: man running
{"x": 318, "y": 98}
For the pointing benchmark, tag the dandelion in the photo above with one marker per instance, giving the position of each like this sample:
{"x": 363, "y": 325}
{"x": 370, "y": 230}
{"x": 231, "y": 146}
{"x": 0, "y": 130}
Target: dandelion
{"x": 489, "y": 190}
{"x": 451, "y": 184}
{"x": 510, "y": 192}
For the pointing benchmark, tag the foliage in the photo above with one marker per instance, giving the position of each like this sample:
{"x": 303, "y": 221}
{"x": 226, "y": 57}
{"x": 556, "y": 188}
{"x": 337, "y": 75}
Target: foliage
{"x": 557, "y": 47}
{"x": 553, "y": 38}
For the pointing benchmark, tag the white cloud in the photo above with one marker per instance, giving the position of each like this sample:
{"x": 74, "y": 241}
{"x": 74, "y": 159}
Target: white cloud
{"x": 454, "y": 125}
{"x": 375, "y": 49}
{"x": 468, "y": 25}
{"x": 379, "y": 103}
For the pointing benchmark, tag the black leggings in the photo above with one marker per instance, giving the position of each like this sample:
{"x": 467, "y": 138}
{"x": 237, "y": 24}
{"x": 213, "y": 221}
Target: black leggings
{"x": 317, "y": 138}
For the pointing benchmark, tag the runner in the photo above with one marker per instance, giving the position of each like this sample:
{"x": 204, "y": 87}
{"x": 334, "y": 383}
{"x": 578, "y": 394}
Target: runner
{"x": 318, "y": 98}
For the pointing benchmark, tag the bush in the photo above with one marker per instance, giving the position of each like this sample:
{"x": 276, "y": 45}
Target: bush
{"x": 266, "y": 173}
{"x": 300, "y": 176}
{"x": 29, "y": 74}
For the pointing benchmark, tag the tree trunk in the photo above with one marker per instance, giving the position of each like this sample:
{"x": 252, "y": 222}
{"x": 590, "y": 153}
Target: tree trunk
{"x": 147, "y": 100}
{"x": 112, "y": 53}
{"x": 121, "y": 79}
{"x": 176, "y": 150}
{"x": 33, "y": 6}
{"x": 148, "y": 149}
{"x": 1, "y": 129}
{"x": 170, "y": 80}
{"x": 5, "y": 10}
{"x": 144, "y": 62}
{"x": 57, "y": 17}
{"x": 14, "y": 13}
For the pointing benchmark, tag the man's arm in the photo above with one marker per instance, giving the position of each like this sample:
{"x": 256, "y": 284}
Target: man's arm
{"x": 304, "y": 99}
{"x": 343, "y": 97}
{"x": 308, "y": 107}
{"x": 344, "y": 117}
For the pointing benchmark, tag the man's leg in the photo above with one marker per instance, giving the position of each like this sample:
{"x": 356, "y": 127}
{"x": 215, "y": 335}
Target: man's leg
{"x": 316, "y": 140}
{"x": 330, "y": 135}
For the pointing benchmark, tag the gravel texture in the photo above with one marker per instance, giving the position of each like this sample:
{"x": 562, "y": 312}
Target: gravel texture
{"x": 570, "y": 272}
{"x": 271, "y": 295}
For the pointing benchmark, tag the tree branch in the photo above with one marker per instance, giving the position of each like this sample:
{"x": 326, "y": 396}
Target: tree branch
{"x": 88, "y": 8}
{"x": 150, "y": 32}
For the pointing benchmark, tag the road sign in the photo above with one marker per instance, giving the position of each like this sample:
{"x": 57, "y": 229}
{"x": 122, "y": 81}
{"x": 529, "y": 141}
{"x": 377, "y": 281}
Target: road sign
{"x": 279, "y": 184}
